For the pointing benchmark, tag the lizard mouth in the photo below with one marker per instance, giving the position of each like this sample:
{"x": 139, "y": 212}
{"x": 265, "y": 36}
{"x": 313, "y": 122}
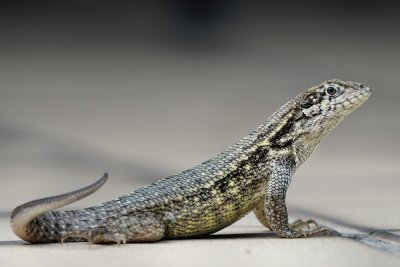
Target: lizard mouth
{"x": 355, "y": 99}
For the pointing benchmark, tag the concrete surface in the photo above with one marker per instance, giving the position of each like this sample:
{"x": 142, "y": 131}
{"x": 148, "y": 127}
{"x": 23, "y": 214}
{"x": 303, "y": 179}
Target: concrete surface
{"x": 243, "y": 244}
{"x": 366, "y": 215}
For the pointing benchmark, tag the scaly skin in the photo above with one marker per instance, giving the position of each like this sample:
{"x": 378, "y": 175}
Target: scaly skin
{"x": 251, "y": 175}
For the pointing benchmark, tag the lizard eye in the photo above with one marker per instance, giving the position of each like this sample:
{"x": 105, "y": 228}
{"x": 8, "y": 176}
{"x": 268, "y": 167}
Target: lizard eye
{"x": 332, "y": 91}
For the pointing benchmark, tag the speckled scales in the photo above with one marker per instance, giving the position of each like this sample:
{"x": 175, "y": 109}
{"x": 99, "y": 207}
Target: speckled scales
{"x": 253, "y": 174}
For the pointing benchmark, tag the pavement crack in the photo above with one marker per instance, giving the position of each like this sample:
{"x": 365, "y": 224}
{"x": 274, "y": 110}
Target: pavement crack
{"x": 387, "y": 240}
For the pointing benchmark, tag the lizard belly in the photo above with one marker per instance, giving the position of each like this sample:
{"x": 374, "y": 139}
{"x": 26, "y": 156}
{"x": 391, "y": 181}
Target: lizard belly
{"x": 214, "y": 214}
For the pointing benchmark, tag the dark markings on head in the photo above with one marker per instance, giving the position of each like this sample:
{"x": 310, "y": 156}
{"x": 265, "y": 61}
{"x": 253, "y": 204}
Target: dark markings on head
{"x": 307, "y": 103}
{"x": 311, "y": 99}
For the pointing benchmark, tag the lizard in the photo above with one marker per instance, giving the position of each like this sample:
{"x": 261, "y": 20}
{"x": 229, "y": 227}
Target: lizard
{"x": 252, "y": 175}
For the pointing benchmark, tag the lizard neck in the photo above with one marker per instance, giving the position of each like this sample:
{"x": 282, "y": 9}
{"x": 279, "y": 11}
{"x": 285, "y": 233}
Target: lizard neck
{"x": 309, "y": 137}
{"x": 275, "y": 137}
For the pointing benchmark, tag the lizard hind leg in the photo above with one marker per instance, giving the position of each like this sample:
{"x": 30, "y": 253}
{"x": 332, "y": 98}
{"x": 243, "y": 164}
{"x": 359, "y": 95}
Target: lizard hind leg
{"x": 145, "y": 227}
{"x": 74, "y": 236}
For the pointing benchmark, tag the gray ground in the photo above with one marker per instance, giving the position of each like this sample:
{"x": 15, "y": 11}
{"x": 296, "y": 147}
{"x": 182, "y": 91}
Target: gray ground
{"x": 144, "y": 110}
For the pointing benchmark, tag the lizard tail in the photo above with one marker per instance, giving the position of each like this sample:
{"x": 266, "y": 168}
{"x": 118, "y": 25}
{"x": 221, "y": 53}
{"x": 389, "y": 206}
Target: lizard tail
{"x": 25, "y": 213}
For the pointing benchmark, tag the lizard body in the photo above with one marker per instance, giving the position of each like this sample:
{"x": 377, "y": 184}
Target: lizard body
{"x": 251, "y": 175}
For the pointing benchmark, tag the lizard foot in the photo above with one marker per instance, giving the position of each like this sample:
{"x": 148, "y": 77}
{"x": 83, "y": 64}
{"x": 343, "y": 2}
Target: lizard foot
{"x": 300, "y": 232}
{"x": 106, "y": 238}
{"x": 79, "y": 236}
{"x": 146, "y": 227}
{"x": 300, "y": 224}
{"x": 319, "y": 231}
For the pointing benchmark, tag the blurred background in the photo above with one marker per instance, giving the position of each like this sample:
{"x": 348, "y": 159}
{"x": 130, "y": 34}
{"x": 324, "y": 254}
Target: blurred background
{"x": 144, "y": 89}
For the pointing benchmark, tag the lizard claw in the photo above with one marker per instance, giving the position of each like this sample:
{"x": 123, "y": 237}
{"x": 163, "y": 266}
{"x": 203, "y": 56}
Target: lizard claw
{"x": 319, "y": 231}
{"x": 300, "y": 224}
{"x": 302, "y": 233}
{"x": 108, "y": 238}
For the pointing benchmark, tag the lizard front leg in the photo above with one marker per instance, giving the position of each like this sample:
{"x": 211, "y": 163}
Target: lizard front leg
{"x": 275, "y": 206}
{"x": 259, "y": 211}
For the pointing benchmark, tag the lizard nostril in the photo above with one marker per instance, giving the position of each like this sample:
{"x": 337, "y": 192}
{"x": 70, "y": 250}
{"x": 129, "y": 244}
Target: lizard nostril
{"x": 364, "y": 87}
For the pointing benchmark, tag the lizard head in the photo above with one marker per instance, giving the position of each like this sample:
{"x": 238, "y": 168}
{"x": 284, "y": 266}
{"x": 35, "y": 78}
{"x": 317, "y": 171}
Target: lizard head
{"x": 333, "y": 99}
{"x": 324, "y": 106}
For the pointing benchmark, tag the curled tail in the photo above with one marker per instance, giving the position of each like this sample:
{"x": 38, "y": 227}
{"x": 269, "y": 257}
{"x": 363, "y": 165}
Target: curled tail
{"x": 25, "y": 213}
